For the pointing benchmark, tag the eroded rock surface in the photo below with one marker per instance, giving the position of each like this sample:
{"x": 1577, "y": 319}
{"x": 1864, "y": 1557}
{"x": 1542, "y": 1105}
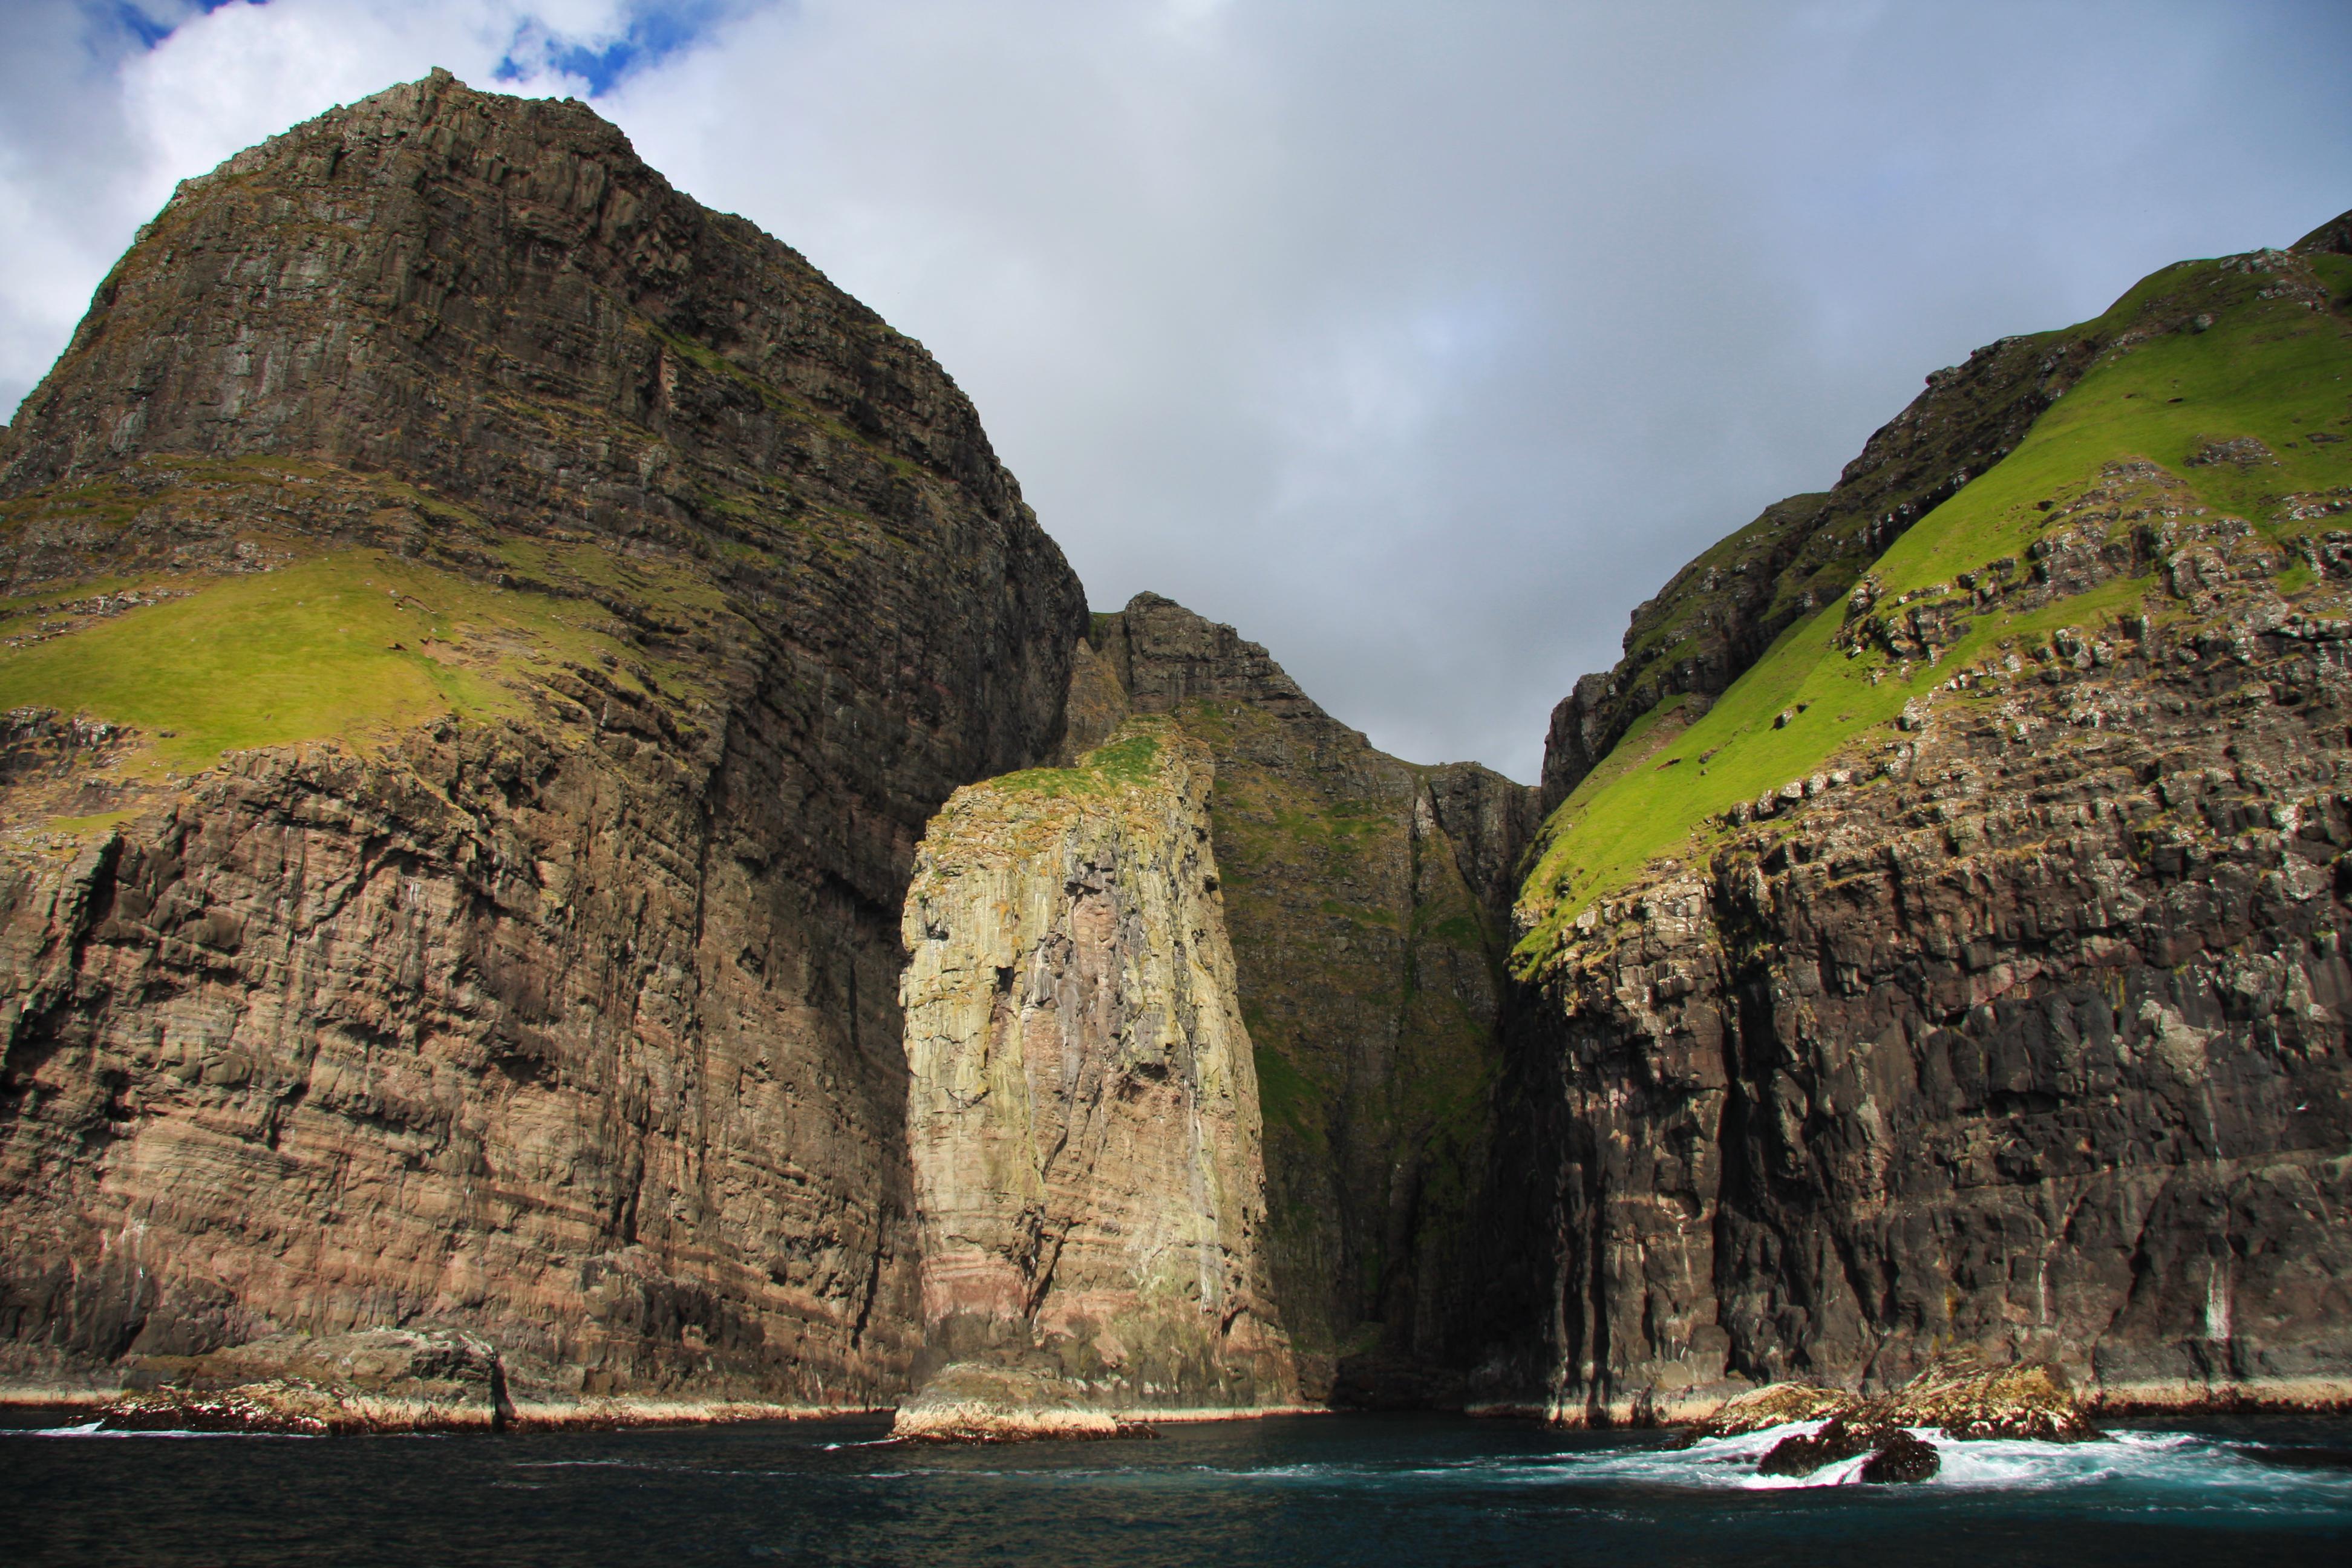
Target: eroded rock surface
{"x": 1083, "y": 1106}
{"x": 376, "y": 1380}
{"x": 545, "y": 981}
{"x": 1367, "y": 900}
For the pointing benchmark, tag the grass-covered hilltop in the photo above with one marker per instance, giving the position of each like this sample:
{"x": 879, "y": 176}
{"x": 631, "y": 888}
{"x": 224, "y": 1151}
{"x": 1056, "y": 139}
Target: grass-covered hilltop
{"x": 2205, "y": 410}
{"x": 1934, "y": 940}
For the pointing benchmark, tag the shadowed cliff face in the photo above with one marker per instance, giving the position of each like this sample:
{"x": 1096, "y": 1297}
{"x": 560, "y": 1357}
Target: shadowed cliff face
{"x": 486, "y": 637}
{"x": 1975, "y": 977}
{"x": 1366, "y": 899}
{"x": 1083, "y": 1110}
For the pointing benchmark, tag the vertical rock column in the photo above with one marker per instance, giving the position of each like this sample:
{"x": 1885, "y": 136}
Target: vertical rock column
{"x": 1082, "y": 1107}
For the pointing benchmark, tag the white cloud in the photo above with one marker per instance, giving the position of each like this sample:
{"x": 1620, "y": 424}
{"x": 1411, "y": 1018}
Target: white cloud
{"x": 1420, "y": 342}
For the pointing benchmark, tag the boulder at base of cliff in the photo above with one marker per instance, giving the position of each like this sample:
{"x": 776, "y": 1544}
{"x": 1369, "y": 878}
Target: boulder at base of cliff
{"x": 1895, "y": 1455}
{"x": 1774, "y": 1404}
{"x": 1902, "y": 1457}
{"x": 1841, "y": 1437}
{"x": 429, "y": 1378}
{"x": 288, "y": 1409}
{"x": 1968, "y": 1400}
{"x": 969, "y": 1403}
{"x": 1963, "y": 1397}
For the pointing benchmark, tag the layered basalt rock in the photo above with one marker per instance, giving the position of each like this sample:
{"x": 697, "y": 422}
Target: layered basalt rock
{"x": 2015, "y": 1019}
{"x": 1083, "y": 1106}
{"x": 543, "y": 982}
{"x": 2044, "y": 1052}
{"x": 1367, "y": 900}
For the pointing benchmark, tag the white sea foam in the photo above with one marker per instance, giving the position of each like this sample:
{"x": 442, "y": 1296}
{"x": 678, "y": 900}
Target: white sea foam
{"x": 2164, "y": 1471}
{"x": 95, "y": 1429}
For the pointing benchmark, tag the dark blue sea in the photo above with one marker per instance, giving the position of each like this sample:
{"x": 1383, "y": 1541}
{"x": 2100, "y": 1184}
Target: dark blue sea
{"x": 2251, "y": 1492}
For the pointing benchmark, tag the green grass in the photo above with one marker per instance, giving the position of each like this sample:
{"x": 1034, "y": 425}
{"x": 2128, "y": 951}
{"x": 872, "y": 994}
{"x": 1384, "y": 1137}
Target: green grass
{"x": 1120, "y": 764}
{"x": 1286, "y": 1097}
{"x": 2270, "y": 369}
{"x": 299, "y": 653}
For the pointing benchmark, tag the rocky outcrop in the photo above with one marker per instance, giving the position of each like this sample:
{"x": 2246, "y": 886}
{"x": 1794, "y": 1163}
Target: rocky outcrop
{"x": 428, "y": 1378}
{"x": 1773, "y": 1404}
{"x": 1964, "y": 1402}
{"x": 512, "y": 944}
{"x": 2017, "y": 1022}
{"x": 1367, "y": 903}
{"x": 1083, "y": 1106}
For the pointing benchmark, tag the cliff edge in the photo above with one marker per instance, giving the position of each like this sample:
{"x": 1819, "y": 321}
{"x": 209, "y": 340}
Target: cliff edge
{"x": 481, "y": 636}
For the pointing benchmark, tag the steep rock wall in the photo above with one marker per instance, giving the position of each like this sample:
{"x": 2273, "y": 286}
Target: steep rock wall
{"x": 2042, "y": 1054}
{"x": 2011, "y": 1016}
{"x": 514, "y": 946}
{"x": 1083, "y": 1107}
{"x": 1367, "y": 900}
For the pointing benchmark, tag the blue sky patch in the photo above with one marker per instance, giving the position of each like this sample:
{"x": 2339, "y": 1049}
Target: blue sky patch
{"x": 150, "y": 32}
{"x": 654, "y": 34}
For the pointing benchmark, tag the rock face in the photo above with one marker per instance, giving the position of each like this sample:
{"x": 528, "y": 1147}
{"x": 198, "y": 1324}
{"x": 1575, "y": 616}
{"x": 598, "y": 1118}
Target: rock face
{"x": 1367, "y": 903}
{"x": 2016, "y": 1018}
{"x": 1083, "y": 1107}
{"x": 459, "y": 878}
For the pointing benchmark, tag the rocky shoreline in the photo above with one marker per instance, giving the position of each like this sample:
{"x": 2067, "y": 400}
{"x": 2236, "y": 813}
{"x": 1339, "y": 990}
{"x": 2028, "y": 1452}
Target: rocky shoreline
{"x": 1956, "y": 1401}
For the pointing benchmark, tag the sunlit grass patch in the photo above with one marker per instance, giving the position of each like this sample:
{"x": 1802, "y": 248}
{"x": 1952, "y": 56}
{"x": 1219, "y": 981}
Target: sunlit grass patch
{"x": 2272, "y": 369}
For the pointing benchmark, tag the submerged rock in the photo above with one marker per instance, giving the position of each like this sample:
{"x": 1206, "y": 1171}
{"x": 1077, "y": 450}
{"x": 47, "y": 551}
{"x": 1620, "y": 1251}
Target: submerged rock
{"x": 1903, "y": 1457}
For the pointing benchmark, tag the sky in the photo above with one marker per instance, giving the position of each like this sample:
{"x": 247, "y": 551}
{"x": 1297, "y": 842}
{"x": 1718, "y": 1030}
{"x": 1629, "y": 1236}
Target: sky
{"x": 1421, "y": 343}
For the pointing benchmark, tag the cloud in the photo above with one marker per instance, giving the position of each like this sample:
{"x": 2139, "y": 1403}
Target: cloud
{"x": 1419, "y": 342}
{"x": 106, "y": 104}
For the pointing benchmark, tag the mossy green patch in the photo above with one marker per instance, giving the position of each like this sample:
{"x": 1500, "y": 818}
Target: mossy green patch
{"x": 1286, "y": 1097}
{"x": 82, "y": 826}
{"x": 343, "y": 643}
{"x": 1122, "y": 762}
{"x": 2271, "y": 369}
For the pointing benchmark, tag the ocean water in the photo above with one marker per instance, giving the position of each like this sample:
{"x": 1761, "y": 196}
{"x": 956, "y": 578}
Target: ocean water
{"x": 2250, "y": 1492}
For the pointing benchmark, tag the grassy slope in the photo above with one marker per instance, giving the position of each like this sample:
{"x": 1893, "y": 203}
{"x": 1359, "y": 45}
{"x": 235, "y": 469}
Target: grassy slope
{"x": 342, "y": 643}
{"x": 2270, "y": 369}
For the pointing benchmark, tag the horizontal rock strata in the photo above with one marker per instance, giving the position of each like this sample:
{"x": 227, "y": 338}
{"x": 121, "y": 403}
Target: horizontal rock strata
{"x": 1082, "y": 1107}
{"x": 527, "y": 965}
